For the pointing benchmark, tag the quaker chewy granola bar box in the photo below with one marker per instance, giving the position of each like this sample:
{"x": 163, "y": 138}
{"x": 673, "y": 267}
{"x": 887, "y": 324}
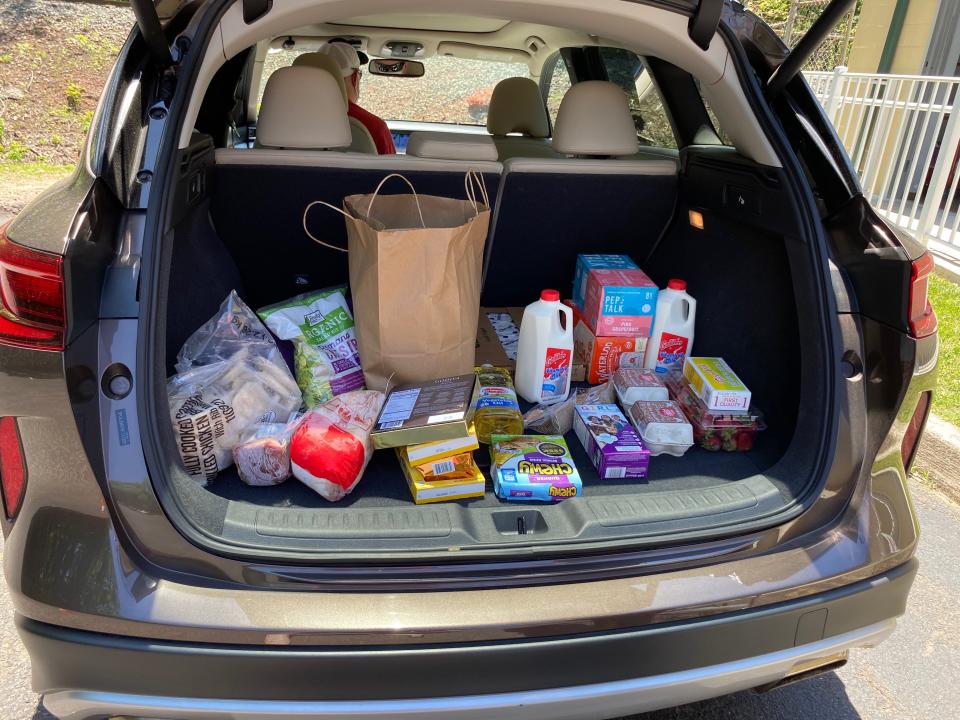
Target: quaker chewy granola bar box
{"x": 533, "y": 468}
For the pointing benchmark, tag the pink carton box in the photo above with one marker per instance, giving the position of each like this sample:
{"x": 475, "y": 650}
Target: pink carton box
{"x": 620, "y": 301}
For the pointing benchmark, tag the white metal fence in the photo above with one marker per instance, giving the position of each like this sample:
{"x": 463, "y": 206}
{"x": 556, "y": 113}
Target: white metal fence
{"x": 902, "y": 133}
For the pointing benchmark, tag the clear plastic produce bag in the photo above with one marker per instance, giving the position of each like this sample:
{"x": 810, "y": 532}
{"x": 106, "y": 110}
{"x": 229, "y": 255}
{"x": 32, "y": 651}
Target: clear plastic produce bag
{"x": 557, "y": 419}
{"x": 230, "y": 375}
{"x": 235, "y": 327}
{"x": 263, "y": 455}
{"x": 331, "y": 446}
{"x": 212, "y": 405}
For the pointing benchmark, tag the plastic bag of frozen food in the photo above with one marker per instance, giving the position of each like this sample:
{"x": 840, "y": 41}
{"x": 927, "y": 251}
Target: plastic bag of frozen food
{"x": 321, "y": 327}
{"x": 263, "y": 455}
{"x": 557, "y": 419}
{"x": 331, "y": 446}
{"x": 212, "y": 405}
{"x": 235, "y": 327}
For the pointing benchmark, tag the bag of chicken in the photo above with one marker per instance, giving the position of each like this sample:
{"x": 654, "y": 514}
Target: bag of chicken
{"x": 331, "y": 446}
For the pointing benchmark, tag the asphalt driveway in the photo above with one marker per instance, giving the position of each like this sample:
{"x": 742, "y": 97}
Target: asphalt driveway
{"x": 913, "y": 676}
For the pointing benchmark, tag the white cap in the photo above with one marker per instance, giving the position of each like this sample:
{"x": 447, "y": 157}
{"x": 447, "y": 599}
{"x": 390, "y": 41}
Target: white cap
{"x": 347, "y": 59}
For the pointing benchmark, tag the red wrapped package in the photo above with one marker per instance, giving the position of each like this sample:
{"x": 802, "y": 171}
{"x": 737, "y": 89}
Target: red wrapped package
{"x": 331, "y": 447}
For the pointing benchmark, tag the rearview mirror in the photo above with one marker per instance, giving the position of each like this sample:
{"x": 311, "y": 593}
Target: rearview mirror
{"x": 396, "y": 68}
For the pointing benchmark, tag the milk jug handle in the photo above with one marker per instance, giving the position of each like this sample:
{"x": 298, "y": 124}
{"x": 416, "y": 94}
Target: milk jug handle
{"x": 568, "y": 314}
{"x": 692, "y": 307}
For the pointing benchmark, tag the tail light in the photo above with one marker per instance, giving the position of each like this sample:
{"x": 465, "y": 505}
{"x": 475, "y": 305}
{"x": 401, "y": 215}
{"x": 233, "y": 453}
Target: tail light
{"x": 32, "y": 305}
{"x": 13, "y": 472}
{"x": 911, "y": 436}
{"x": 923, "y": 321}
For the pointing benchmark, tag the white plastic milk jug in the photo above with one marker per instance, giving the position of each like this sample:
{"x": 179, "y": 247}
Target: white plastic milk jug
{"x": 545, "y": 350}
{"x": 672, "y": 337}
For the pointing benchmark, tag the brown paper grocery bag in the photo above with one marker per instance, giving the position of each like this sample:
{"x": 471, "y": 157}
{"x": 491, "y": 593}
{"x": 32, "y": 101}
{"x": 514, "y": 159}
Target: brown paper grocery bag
{"x": 415, "y": 264}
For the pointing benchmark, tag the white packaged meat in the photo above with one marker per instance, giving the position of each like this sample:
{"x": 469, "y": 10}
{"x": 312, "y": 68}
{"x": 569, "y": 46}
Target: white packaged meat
{"x": 212, "y": 405}
{"x": 230, "y": 376}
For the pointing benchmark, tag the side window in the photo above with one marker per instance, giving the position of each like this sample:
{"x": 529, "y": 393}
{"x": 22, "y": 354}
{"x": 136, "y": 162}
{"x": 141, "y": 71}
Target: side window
{"x": 555, "y": 81}
{"x": 626, "y": 69}
{"x": 724, "y": 138}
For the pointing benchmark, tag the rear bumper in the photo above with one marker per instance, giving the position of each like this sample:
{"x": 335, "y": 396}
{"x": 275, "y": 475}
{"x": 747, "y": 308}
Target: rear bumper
{"x": 602, "y": 700}
{"x": 86, "y": 675}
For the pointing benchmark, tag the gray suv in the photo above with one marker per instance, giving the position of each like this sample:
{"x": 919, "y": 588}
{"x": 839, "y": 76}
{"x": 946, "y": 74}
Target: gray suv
{"x": 141, "y": 592}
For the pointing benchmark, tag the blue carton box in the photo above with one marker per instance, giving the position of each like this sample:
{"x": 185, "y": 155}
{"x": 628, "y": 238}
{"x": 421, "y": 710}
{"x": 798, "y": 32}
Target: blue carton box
{"x": 586, "y": 263}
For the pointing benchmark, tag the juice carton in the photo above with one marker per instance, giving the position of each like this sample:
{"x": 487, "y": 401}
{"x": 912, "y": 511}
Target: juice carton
{"x": 601, "y": 356}
{"x": 620, "y": 302}
{"x": 611, "y": 442}
{"x": 586, "y": 263}
{"x": 716, "y": 384}
{"x": 529, "y": 468}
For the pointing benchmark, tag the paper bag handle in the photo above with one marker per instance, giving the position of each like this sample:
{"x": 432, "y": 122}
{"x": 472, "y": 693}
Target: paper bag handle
{"x": 409, "y": 185}
{"x": 316, "y": 239}
{"x": 472, "y": 180}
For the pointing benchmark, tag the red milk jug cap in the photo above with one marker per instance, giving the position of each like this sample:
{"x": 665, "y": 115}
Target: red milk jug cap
{"x": 550, "y": 295}
{"x": 677, "y": 284}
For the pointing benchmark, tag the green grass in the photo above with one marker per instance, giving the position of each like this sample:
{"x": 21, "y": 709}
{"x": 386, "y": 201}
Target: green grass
{"x": 12, "y": 172}
{"x": 945, "y": 298}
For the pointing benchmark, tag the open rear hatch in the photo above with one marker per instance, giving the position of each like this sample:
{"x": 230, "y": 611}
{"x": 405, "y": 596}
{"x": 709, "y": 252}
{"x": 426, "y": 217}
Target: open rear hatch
{"x": 730, "y": 227}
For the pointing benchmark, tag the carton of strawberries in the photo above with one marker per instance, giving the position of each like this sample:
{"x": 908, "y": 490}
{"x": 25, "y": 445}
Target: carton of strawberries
{"x": 713, "y": 429}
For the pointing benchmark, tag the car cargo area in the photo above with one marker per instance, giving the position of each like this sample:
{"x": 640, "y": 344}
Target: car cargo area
{"x": 758, "y": 308}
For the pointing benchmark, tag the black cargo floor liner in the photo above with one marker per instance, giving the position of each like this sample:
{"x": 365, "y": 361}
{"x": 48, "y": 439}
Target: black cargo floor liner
{"x": 383, "y": 484}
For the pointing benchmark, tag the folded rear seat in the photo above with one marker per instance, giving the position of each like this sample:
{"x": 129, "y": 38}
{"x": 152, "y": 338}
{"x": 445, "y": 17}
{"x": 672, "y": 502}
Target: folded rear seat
{"x": 607, "y": 196}
{"x": 259, "y": 194}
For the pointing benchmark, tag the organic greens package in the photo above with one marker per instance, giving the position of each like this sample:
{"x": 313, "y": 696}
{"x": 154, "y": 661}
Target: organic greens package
{"x": 320, "y": 325}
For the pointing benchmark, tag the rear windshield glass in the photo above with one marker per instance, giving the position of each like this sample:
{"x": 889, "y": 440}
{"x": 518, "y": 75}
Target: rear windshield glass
{"x": 452, "y": 90}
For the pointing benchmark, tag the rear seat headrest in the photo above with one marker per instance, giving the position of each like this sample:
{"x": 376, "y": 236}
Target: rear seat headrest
{"x": 594, "y": 119}
{"x": 324, "y": 62}
{"x": 302, "y": 109}
{"x": 516, "y": 106}
{"x": 451, "y": 146}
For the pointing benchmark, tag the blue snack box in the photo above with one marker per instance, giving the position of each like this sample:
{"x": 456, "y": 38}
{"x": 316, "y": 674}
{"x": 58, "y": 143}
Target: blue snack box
{"x": 586, "y": 263}
{"x": 533, "y": 468}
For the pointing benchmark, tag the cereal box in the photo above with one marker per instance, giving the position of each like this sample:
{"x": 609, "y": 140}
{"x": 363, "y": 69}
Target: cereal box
{"x": 470, "y": 484}
{"x": 611, "y": 442}
{"x": 620, "y": 302}
{"x": 424, "y": 453}
{"x": 533, "y": 468}
{"x": 586, "y": 263}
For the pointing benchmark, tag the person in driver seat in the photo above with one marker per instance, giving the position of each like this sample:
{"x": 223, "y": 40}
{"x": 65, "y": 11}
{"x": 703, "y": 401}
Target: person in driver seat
{"x": 348, "y": 60}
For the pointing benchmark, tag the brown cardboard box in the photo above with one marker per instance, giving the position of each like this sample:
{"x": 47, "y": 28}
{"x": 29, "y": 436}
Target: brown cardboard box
{"x": 490, "y": 351}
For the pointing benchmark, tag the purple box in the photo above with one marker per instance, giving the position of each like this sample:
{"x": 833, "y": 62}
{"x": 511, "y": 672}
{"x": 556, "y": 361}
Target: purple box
{"x": 611, "y": 442}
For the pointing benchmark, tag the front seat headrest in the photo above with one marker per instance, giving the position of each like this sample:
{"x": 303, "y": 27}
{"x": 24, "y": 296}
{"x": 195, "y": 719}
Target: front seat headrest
{"x": 594, "y": 119}
{"x": 516, "y": 106}
{"x": 324, "y": 62}
{"x": 302, "y": 109}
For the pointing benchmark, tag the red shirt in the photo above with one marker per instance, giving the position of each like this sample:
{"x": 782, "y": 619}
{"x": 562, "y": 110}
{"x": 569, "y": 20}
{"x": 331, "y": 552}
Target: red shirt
{"x": 377, "y": 127}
